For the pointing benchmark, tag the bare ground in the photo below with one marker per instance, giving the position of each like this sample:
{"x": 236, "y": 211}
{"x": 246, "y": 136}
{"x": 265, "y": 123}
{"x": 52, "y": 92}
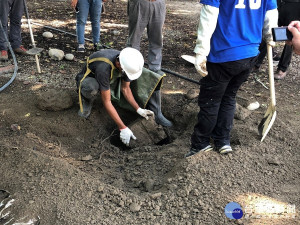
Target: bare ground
{"x": 68, "y": 170}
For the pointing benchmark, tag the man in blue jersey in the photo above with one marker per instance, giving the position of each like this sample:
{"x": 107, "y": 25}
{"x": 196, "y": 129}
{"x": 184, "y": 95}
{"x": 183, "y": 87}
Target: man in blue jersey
{"x": 228, "y": 38}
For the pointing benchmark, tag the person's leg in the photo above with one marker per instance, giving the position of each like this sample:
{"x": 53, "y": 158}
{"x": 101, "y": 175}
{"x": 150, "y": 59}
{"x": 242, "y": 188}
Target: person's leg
{"x": 82, "y": 15}
{"x": 138, "y": 14}
{"x": 285, "y": 58}
{"x": 262, "y": 54}
{"x": 154, "y": 31}
{"x": 95, "y": 16}
{"x": 209, "y": 101}
{"x": 89, "y": 90}
{"x": 4, "y": 11}
{"x": 238, "y": 71}
{"x": 16, "y": 13}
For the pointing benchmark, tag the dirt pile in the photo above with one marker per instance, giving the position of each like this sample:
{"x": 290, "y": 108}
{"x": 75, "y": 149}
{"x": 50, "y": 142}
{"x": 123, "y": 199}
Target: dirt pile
{"x": 67, "y": 169}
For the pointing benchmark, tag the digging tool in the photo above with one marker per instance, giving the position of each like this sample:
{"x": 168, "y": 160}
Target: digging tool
{"x": 34, "y": 51}
{"x": 270, "y": 115}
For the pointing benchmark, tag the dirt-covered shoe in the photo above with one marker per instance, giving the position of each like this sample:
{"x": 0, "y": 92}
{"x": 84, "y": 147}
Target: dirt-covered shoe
{"x": 159, "y": 72}
{"x": 21, "y": 50}
{"x": 3, "y": 55}
{"x": 225, "y": 149}
{"x": 279, "y": 75}
{"x": 194, "y": 151}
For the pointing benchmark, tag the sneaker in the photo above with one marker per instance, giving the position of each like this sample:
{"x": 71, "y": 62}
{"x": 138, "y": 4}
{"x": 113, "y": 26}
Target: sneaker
{"x": 21, "y": 50}
{"x": 194, "y": 151}
{"x": 225, "y": 149}
{"x": 97, "y": 47}
{"x": 159, "y": 72}
{"x": 279, "y": 75}
{"x": 81, "y": 48}
{"x": 3, "y": 55}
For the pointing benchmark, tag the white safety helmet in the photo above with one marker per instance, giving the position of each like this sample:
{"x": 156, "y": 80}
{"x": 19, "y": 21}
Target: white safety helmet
{"x": 132, "y": 62}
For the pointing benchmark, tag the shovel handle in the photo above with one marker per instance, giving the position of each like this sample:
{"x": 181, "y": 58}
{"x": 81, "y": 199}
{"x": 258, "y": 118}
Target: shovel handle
{"x": 271, "y": 75}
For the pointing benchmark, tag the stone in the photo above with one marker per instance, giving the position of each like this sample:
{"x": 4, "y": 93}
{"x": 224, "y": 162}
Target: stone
{"x": 241, "y": 113}
{"x": 56, "y": 54}
{"x": 54, "y": 100}
{"x": 192, "y": 93}
{"x": 147, "y": 132}
{"x": 47, "y": 34}
{"x": 69, "y": 57}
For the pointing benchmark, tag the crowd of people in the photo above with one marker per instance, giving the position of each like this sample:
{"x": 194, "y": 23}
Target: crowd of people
{"x": 223, "y": 59}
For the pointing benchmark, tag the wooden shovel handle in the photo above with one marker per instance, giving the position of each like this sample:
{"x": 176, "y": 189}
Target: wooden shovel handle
{"x": 271, "y": 75}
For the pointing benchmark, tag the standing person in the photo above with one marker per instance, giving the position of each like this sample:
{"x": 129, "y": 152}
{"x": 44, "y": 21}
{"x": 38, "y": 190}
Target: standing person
{"x": 229, "y": 34}
{"x": 289, "y": 10}
{"x": 11, "y": 10}
{"x": 149, "y": 14}
{"x": 83, "y": 8}
{"x": 294, "y": 27}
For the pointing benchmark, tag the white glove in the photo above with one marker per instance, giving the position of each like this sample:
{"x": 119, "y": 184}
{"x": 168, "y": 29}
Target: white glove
{"x": 145, "y": 113}
{"x": 125, "y": 136}
{"x": 270, "y": 21}
{"x": 200, "y": 64}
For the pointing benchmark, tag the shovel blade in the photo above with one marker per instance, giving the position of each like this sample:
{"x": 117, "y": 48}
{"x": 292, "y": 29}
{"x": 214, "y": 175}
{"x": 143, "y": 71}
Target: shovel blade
{"x": 34, "y": 51}
{"x": 267, "y": 122}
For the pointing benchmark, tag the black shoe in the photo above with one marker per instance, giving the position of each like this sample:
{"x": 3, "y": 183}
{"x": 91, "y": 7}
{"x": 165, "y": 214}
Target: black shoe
{"x": 80, "y": 49}
{"x": 159, "y": 72}
{"x": 194, "y": 151}
{"x": 225, "y": 149}
{"x": 98, "y": 47}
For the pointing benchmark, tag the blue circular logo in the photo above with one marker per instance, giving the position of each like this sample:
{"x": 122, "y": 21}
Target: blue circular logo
{"x": 233, "y": 210}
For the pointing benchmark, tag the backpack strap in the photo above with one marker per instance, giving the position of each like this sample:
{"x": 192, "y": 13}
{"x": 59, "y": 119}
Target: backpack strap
{"x": 88, "y": 71}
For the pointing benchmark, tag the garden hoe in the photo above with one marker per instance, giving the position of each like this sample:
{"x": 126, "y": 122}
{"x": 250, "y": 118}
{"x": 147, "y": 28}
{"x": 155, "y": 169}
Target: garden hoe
{"x": 270, "y": 115}
{"x": 34, "y": 51}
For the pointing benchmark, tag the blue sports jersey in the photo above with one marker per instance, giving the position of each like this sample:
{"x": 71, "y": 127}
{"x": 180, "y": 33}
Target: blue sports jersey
{"x": 239, "y": 28}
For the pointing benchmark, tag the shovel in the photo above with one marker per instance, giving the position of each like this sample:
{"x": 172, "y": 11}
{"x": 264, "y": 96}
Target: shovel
{"x": 34, "y": 51}
{"x": 270, "y": 115}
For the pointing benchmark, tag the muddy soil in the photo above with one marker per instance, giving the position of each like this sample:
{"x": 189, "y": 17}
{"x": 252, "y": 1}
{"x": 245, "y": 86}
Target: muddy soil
{"x": 68, "y": 170}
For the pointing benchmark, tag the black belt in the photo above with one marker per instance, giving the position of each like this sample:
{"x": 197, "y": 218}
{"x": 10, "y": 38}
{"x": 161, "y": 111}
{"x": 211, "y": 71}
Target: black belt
{"x": 291, "y": 1}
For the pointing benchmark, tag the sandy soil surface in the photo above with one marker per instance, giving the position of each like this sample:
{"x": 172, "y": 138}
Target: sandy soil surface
{"x": 68, "y": 170}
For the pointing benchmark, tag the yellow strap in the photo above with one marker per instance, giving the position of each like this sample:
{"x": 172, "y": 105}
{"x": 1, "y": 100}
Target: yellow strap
{"x": 87, "y": 72}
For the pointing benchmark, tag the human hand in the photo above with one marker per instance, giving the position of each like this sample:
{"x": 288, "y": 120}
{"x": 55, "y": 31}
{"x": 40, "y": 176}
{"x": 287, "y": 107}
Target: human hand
{"x": 125, "y": 135}
{"x": 145, "y": 113}
{"x": 200, "y": 64}
{"x": 74, "y": 3}
{"x": 294, "y": 28}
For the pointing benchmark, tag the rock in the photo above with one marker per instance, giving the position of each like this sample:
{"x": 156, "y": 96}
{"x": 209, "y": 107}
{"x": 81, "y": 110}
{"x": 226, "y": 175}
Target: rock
{"x": 241, "y": 113}
{"x": 54, "y": 100}
{"x": 149, "y": 185}
{"x": 47, "y": 34}
{"x": 15, "y": 127}
{"x": 134, "y": 207}
{"x": 253, "y": 106}
{"x": 116, "y": 32}
{"x": 147, "y": 132}
{"x": 156, "y": 195}
{"x": 69, "y": 57}
{"x": 87, "y": 158}
{"x": 56, "y": 54}
{"x": 273, "y": 160}
{"x": 192, "y": 93}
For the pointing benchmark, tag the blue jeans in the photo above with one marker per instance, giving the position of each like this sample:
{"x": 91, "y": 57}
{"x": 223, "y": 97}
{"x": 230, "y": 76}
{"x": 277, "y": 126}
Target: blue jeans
{"x": 12, "y": 9}
{"x": 86, "y": 7}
